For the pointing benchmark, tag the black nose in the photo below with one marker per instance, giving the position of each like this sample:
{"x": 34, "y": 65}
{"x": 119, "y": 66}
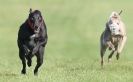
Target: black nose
{"x": 113, "y": 28}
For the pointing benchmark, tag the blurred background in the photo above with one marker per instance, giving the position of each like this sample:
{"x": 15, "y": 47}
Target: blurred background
{"x": 72, "y": 52}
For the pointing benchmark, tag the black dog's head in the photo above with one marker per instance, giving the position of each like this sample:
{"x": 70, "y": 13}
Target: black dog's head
{"x": 35, "y": 20}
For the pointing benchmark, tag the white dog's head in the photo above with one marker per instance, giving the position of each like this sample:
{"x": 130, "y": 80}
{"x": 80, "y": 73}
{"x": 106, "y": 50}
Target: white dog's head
{"x": 114, "y": 28}
{"x": 114, "y": 23}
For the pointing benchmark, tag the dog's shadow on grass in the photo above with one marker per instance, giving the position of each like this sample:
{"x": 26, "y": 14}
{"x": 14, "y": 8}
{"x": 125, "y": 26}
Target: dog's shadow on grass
{"x": 8, "y": 74}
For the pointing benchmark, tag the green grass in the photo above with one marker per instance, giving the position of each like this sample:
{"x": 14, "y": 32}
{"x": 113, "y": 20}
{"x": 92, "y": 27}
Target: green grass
{"x": 72, "y": 52}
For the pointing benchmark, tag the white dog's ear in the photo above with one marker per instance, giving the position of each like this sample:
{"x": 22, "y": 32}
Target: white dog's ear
{"x": 120, "y": 12}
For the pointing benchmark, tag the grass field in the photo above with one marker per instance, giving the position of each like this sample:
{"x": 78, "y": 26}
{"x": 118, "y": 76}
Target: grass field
{"x": 72, "y": 52}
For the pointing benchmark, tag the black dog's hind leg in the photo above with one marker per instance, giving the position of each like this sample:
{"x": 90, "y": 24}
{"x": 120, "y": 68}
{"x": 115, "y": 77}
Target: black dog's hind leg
{"x": 22, "y": 57}
{"x": 39, "y": 56}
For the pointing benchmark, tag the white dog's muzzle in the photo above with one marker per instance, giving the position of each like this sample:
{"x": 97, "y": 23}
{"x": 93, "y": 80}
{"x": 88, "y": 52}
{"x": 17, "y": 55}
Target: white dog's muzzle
{"x": 115, "y": 29}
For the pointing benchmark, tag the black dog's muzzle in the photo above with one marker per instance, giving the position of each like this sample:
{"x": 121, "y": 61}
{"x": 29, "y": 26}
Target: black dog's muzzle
{"x": 35, "y": 27}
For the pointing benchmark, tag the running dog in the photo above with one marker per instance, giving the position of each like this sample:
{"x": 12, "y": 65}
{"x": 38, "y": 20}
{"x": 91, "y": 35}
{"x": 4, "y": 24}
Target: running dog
{"x": 32, "y": 38}
{"x": 113, "y": 37}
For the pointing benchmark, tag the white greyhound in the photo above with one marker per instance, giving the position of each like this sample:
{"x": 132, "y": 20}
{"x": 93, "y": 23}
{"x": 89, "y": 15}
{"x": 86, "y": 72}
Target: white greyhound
{"x": 113, "y": 37}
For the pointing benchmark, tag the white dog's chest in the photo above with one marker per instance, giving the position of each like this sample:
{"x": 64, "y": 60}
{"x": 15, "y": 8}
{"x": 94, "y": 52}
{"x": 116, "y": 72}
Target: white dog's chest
{"x": 116, "y": 39}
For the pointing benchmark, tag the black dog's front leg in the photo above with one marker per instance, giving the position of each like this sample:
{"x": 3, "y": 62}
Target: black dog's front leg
{"x": 22, "y": 57}
{"x": 37, "y": 47}
{"x": 39, "y": 43}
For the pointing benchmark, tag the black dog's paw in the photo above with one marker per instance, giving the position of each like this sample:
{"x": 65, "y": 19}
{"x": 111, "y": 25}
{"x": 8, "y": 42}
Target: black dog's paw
{"x": 23, "y": 72}
{"x": 29, "y": 63}
{"x": 35, "y": 72}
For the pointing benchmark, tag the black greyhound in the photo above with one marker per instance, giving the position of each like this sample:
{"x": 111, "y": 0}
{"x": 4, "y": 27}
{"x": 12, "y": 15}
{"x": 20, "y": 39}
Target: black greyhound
{"x": 32, "y": 38}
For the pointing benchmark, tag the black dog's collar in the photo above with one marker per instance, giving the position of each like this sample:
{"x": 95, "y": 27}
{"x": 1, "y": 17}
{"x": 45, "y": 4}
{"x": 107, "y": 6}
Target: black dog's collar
{"x": 30, "y": 24}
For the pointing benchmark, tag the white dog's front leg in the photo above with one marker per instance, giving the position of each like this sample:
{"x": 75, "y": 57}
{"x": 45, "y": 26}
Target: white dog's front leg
{"x": 110, "y": 45}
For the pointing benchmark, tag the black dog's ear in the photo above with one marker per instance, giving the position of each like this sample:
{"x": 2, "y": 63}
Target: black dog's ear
{"x": 30, "y": 10}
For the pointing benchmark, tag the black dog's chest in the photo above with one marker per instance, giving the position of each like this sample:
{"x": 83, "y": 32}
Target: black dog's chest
{"x": 32, "y": 42}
